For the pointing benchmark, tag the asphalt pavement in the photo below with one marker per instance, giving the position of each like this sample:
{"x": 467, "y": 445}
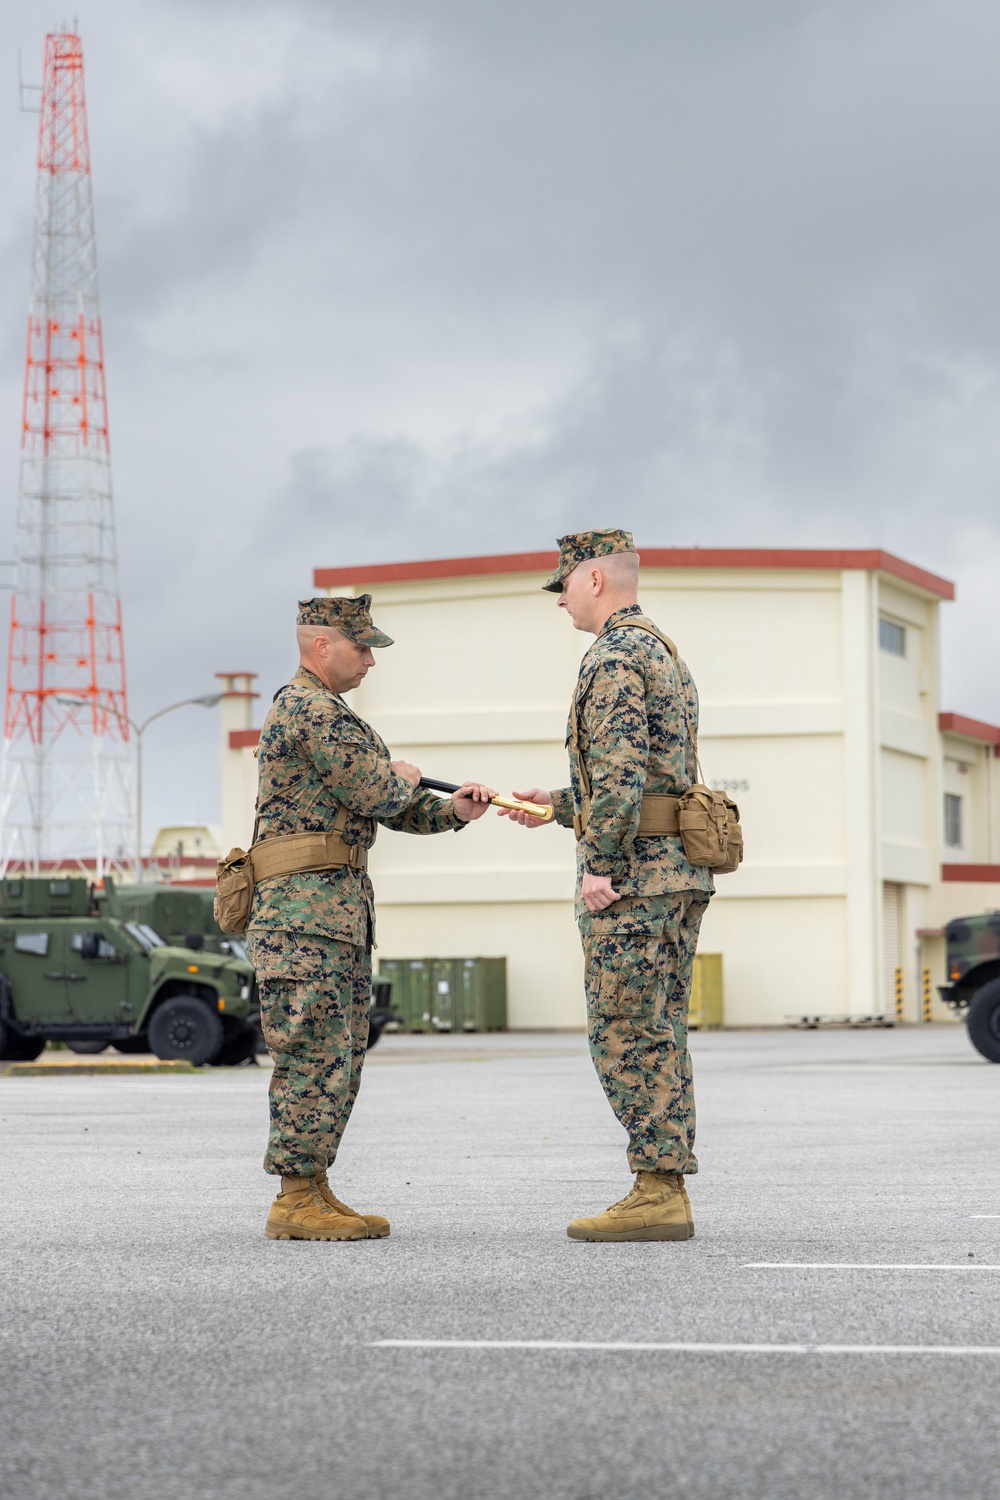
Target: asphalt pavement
{"x": 833, "y": 1330}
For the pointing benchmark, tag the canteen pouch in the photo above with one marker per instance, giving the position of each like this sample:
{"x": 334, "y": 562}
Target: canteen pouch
{"x": 710, "y": 829}
{"x": 234, "y": 892}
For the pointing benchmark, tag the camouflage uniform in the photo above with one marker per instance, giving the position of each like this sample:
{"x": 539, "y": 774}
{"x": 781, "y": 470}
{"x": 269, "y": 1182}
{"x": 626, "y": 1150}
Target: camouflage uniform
{"x": 632, "y": 735}
{"x": 310, "y": 935}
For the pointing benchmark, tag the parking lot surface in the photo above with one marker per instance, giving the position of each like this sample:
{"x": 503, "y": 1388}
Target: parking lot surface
{"x": 832, "y": 1330}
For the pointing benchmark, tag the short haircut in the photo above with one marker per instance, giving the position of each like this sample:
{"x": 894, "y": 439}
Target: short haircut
{"x": 621, "y": 569}
{"x": 306, "y": 634}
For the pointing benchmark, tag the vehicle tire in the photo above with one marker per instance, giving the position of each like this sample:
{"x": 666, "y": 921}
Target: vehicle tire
{"x": 28, "y": 1048}
{"x": 378, "y": 1020}
{"x": 375, "y": 1025}
{"x": 238, "y": 1046}
{"x": 132, "y": 1044}
{"x": 184, "y": 1027}
{"x": 17, "y": 1048}
{"x": 983, "y": 1020}
{"x": 87, "y": 1047}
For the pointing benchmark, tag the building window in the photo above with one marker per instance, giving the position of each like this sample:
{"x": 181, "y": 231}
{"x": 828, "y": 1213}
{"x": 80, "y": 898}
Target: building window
{"x": 952, "y": 820}
{"x": 892, "y": 637}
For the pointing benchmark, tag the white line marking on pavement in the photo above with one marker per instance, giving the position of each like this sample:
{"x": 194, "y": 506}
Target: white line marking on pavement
{"x": 627, "y": 1348}
{"x": 983, "y": 1216}
{"x": 841, "y": 1265}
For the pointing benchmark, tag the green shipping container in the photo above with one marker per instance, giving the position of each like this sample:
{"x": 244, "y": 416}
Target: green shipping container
{"x": 418, "y": 1008}
{"x": 392, "y": 970}
{"x": 481, "y": 994}
{"x": 397, "y": 972}
{"x": 448, "y": 994}
{"x": 444, "y": 994}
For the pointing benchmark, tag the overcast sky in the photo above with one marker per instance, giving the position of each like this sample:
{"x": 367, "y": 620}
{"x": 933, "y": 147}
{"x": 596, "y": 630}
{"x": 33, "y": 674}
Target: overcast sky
{"x": 410, "y": 278}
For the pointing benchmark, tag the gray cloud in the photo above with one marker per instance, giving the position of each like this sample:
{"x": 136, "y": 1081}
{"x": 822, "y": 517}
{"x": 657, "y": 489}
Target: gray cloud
{"x": 396, "y": 281}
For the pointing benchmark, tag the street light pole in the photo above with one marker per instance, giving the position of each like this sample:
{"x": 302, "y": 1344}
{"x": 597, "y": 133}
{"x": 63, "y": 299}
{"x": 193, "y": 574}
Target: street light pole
{"x": 208, "y": 700}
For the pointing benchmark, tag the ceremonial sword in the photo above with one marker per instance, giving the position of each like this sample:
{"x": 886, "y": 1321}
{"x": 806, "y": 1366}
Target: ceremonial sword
{"x": 534, "y": 809}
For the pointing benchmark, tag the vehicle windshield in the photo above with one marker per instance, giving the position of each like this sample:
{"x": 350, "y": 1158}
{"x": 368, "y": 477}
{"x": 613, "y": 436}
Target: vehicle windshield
{"x": 144, "y": 935}
{"x": 237, "y": 948}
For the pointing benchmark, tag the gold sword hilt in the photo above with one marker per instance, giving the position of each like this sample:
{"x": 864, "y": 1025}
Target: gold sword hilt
{"x": 538, "y": 810}
{"x": 533, "y": 809}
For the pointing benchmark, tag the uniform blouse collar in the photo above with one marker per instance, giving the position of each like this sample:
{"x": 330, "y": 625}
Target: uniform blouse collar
{"x": 619, "y": 614}
{"x": 304, "y": 675}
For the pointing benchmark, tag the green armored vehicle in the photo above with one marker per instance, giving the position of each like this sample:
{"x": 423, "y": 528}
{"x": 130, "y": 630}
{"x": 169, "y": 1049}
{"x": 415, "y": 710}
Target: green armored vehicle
{"x": 973, "y": 964}
{"x": 182, "y": 914}
{"x": 186, "y": 917}
{"x": 72, "y": 970}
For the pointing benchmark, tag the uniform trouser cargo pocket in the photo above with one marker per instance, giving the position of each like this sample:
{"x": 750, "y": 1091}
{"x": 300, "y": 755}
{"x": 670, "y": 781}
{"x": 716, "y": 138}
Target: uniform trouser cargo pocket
{"x": 315, "y": 994}
{"x": 638, "y": 989}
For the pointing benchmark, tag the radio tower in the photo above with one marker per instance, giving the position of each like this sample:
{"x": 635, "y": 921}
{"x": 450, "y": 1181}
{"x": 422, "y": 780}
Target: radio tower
{"x": 66, "y": 786}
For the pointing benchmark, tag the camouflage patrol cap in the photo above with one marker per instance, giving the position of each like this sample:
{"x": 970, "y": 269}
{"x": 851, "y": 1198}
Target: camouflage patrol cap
{"x": 580, "y": 546}
{"x": 352, "y": 617}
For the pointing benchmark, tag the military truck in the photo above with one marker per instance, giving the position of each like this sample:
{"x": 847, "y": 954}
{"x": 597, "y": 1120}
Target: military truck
{"x": 182, "y": 914}
{"x": 73, "y": 971}
{"x": 973, "y": 966}
{"x": 186, "y": 917}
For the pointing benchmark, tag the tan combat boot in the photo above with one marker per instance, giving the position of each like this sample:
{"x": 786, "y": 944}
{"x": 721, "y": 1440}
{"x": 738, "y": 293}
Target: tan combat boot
{"x": 687, "y": 1205}
{"x": 653, "y": 1210}
{"x": 300, "y": 1213}
{"x": 377, "y": 1227}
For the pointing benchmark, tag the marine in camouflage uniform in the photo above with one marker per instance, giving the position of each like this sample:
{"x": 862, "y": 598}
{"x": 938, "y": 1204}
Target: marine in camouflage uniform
{"x": 636, "y": 713}
{"x": 310, "y": 935}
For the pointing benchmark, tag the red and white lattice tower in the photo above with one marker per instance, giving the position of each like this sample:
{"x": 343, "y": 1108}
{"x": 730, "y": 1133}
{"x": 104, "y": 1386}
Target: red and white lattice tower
{"x": 66, "y": 786}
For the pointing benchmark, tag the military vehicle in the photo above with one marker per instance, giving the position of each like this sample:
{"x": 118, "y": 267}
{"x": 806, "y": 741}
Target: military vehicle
{"x": 72, "y": 970}
{"x": 186, "y": 917}
{"x": 183, "y": 914}
{"x": 973, "y": 966}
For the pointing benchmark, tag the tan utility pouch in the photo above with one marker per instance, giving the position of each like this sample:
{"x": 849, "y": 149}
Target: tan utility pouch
{"x": 710, "y": 829}
{"x": 285, "y": 854}
{"x": 234, "y": 891}
{"x": 707, "y": 821}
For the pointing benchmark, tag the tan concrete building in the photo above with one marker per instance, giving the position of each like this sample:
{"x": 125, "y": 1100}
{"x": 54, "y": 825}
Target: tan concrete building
{"x": 818, "y": 673}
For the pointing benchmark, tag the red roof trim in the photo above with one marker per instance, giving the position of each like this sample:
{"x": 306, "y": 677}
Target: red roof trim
{"x": 243, "y": 739}
{"x": 165, "y": 861}
{"x": 979, "y": 873}
{"x": 653, "y": 557}
{"x": 440, "y": 567}
{"x": 969, "y": 729}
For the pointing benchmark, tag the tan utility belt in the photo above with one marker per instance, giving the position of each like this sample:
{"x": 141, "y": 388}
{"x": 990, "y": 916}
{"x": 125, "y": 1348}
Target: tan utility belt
{"x": 301, "y": 853}
{"x": 657, "y": 816}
